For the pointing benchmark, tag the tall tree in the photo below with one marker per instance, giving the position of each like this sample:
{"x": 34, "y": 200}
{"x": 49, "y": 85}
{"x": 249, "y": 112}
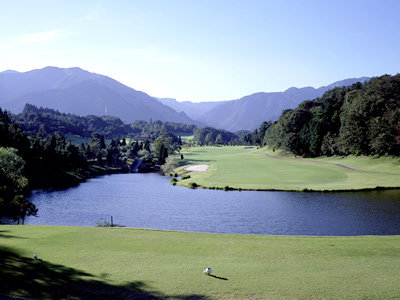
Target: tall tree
{"x": 13, "y": 185}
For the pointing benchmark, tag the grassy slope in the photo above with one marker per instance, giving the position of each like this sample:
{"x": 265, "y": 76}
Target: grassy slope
{"x": 125, "y": 262}
{"x": 239, "y": 167}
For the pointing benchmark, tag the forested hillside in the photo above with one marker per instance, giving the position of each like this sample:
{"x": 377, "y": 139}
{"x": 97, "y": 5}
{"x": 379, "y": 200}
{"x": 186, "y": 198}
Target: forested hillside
{"x": 362, "y": 119}
{"x": 209, "y": 136}
{"x": 33, "y": 119}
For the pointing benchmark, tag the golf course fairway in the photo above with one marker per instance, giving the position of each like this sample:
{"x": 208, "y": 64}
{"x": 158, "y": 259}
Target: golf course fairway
{"x": 250, "y": 168}
{"x": 120, "y": 263}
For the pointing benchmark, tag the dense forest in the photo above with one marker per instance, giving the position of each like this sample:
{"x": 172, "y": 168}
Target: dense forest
{"x": 209, "y": 136}
{"x": 33, "y": 118}
{"x": 362, "y": 119}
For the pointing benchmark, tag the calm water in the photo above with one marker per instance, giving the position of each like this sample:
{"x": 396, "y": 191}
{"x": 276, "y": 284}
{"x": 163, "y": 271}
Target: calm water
{"x": 149, "y": 201}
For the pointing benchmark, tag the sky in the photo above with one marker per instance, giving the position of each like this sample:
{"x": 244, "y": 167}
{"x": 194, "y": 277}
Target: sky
{"x": 205, "y": 50}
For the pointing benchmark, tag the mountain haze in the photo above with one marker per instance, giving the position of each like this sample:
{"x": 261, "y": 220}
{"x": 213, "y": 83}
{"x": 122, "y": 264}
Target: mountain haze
{"x": 250, "y": 111}
{"x": 77, "y": 91}
{"x": 193, "y": 109}
{"x": 73, "y": 90}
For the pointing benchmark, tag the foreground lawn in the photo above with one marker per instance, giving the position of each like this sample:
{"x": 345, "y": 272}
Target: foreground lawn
{"x": 255, "y": 169}
{"x": 110, "y": 263}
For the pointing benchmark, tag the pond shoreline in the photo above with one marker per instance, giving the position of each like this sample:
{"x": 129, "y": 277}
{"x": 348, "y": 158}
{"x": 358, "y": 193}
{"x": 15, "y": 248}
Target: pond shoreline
{"x": 149, "y": 201}
{"x": 305, "y": 190}
{"x": 259, "y": 169}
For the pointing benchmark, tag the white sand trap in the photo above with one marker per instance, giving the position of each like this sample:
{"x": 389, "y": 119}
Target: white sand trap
{"x": 197, "y": 168}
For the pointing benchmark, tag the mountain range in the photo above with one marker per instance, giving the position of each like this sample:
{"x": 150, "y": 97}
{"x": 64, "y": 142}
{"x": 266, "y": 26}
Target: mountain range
{"x": 73, "y": 90}
{"x": 80, "y": 92}
{"x": 250, "y": 111}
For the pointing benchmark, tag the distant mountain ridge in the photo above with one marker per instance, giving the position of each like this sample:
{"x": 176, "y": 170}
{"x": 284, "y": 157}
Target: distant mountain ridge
{"x": 193, "y": 109}
{"x": 73, "y": 90}
{"x": 250, "y": 111}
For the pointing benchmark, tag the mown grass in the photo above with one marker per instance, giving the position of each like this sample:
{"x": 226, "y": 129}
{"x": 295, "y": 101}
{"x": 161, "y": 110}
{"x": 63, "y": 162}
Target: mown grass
{"x": 83, "y": 262}
{"x": 186, "y": 138}
{"x": 251, "y": 168}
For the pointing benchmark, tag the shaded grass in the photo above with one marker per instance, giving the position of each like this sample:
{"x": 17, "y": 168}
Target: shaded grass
{"x": 186, "y": 138}
{"x": 22, "y": 277}
{"x": 252, "y": 169}
{"x": 83, "y": 262}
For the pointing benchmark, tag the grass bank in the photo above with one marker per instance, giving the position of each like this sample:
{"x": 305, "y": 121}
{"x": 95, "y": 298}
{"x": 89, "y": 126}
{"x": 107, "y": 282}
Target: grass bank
{"x": 84, "y": 262}
{"x": 249, "y": 168}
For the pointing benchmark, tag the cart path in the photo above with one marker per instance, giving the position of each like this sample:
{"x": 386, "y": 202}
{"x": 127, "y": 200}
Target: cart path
{"x": 339, "y": 165}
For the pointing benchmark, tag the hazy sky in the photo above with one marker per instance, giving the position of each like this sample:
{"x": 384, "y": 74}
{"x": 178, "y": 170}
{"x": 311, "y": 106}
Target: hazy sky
{"x": 205, "y": 50}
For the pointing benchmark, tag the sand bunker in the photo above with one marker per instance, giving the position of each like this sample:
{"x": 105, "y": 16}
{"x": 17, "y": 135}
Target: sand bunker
{"x": 197, "y": 168}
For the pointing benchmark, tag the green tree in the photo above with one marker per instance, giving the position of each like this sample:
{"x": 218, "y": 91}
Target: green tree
{"x": 218, "y": 140}
{"x": 162, "y": 145}
{"x": 262, "y": 130}
{"x": 13, "y": 185}
{"x": 209, "y": 139}
{"x": 198, "y": 136}
{"x": 21, "y": 208}
{"x": 144, "y": 155}
{"x": 170, "y": 164}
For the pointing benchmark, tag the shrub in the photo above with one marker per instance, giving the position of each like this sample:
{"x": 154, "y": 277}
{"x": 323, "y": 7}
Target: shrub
{"x": 170, "y": 164}
{"x": 193, "y": 185}
{"x": 186, "y": 177}
{"x": 103, "y": 223}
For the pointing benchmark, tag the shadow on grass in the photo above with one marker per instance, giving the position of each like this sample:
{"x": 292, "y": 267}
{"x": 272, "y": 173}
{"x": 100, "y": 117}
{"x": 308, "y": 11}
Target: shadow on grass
{"x": 222, "y": 278}
{"x": 27, "y": 278}
{"x": 4, "y": 235}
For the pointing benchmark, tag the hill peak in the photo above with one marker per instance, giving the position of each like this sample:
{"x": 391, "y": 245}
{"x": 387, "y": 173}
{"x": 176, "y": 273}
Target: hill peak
{"x": 74, "y": 90}
{"x": 9, "y": 72}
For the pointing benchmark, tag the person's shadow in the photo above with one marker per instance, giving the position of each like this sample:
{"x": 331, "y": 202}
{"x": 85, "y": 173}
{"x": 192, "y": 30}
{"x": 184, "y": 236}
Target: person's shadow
{"x": 222, "y": 278}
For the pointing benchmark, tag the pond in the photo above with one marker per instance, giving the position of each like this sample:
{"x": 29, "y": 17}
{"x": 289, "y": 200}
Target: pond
{"x": 149, "y": 201}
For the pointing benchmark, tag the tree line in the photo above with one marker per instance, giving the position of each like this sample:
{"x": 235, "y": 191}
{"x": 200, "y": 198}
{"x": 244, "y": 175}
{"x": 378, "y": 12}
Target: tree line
{"x": 32, "y": 118}
{"x": 362, "y": 119}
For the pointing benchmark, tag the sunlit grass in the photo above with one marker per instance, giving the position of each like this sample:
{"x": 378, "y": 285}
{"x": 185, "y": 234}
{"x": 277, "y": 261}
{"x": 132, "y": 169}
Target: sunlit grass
{"x": 170, "y": 264}
{"x": 186, "y": 138}
{"x": 251, "y": 168}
